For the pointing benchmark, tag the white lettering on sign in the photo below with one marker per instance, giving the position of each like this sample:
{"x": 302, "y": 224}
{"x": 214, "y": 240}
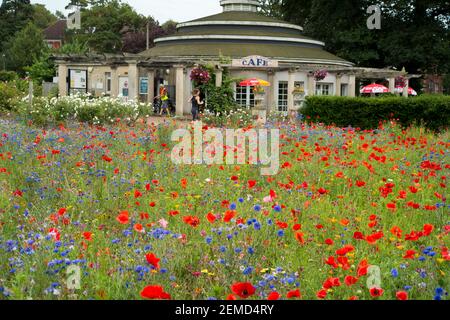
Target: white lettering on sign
{"x": 255, "y": 62}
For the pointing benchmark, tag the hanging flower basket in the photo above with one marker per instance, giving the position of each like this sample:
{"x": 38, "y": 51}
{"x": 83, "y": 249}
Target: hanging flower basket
{"x": 400, "y": 82}
{"x": 319, "y": 75}
{"x": 200, "y": 75}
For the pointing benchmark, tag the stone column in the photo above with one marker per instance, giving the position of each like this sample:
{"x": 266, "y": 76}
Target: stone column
{"x": 62, "y": 80}
{"x": 352, "y": 85}
{"x": 310, "y": 85}
{"x": 271, "y": 103}
{"x": 114, "y": 82}
{"x": 179, "y": 72}
{"x": 291, "y": 87}
{"x": 406, "y": 88}
{"x": 338, "y": 84}
{"x": 219, "y": 77}
{"x": 151, "y": 86}
{"x": 391, "y": 85}
{"x": 133, "y": 82}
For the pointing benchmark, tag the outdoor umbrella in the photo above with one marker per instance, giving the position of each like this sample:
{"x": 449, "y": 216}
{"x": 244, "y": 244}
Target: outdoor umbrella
{"x": 411, "y": 91}
{"x": 254, "y": 83}
{"x": 375, "y": 88}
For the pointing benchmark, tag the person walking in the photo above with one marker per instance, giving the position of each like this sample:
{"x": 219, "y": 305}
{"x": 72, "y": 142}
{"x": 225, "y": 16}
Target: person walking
{"x": 164, "y": 96}
{"x": 196, "y": 103}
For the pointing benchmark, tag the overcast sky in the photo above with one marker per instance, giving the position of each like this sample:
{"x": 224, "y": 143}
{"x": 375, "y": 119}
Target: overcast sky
{"x": 161, "y": 10}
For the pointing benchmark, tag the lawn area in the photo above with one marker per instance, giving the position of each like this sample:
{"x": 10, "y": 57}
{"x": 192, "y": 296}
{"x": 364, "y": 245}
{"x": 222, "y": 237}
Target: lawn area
{"x": 346, "y": 205}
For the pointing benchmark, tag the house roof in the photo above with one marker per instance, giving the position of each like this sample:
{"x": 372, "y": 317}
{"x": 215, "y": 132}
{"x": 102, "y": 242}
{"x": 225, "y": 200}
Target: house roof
{"x": 203, "y": 49}
{"x": 56, "y": 31}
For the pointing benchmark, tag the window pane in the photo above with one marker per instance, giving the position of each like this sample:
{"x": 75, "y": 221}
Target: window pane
{"x": 283, "y": 96}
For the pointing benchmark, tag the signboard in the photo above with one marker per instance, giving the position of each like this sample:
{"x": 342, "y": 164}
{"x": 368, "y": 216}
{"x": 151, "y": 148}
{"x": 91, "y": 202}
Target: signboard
{"x": 143, "y": 85}
{"x": 255, "y": 62}
{"x": 78, "y": 80}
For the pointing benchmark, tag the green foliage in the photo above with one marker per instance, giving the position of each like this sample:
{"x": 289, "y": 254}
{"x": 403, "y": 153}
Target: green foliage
{"x": 14, "y": 16}
{"x": 104, "y": 22}
{"x": 42, "y": 18}
{"x": 43, "y": 69}
{"x": 6, "y": 76}
{"x": 9, "y": 97}
{"x": 81, "y": 108}
{"x": 431, "y": 111}
{"x": 219, "y": 99}
{"x": 419, "y": 43}
{"x": 26, "y": 47}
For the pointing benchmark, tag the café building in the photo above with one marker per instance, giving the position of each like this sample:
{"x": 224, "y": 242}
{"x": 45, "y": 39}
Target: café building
{"x": 240, "y": 40}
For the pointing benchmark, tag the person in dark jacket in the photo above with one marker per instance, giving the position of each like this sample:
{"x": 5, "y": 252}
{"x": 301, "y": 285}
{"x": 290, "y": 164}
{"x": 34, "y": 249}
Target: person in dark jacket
{"x": 196, "y": 104}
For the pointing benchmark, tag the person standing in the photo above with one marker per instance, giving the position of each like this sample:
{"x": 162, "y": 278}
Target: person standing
{"x": 196, "y": 103}
{"x": 164, "y": 96}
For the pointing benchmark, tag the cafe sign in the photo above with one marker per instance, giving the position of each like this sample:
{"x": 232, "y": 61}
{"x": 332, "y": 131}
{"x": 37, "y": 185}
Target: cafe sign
{"x": 255, "y": 62}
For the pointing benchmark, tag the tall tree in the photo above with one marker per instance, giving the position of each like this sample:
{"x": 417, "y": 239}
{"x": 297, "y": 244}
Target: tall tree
{"x": 414, "y": 33}
{"x": 104, "y": 23}
{"x": 14, "y": 15}
{"x": 26, "y": 47}
{"x": 42, "y": 18}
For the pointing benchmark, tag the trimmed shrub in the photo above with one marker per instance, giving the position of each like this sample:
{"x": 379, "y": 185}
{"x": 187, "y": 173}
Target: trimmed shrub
{"x": 430, "y": 111}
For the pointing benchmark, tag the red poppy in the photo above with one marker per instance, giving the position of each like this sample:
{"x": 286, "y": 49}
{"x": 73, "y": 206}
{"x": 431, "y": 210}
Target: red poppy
{"x": 123, "y": 217}
{"x": 322, "y": 191}
{"x": 274, "y": 296}
{"x": 62, "y": 211}
{"x": 376, "y": 292}
{"x": 410, "y": 254}
{"x": 402, "y": 295}
{"x": 322, "y": 294}
{"x": 87, "y": 236}
{"x": 192, "y": 221}
{"x": 155, "y": 292}
{"x": 106, "y": 158}
{"x": 231, "y": 297}
{"x": 294, "y": 294}
{"x": 229, "y": 215}
{"x": 243, "y": 289}
{"x": 251, "y": 184}
{"x": 211, "y": 217}
{"x": 138, "y": 227}
{"x": 153, "y": 260}
{"x": 299, "y": 237}
{"x": 350, "y": 280}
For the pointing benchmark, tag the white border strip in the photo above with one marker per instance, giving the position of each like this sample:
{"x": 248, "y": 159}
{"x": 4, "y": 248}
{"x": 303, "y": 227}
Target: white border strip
{"x": 235, "y": 37}
{"x": 240, "y": 23}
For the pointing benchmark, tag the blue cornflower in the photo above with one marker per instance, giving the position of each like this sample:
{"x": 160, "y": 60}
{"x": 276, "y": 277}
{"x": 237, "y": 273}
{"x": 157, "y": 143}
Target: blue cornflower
{"x": 394, "y": 273}
{"x": 280, "y": 233}
{"x": 257, "y": 208}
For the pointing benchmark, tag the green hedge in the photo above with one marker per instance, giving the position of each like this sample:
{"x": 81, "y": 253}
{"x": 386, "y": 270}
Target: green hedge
{"x": 431, "y": 111}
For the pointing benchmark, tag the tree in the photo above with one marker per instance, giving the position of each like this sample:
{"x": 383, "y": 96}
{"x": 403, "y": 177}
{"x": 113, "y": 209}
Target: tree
{"x": 104, "y": 23}
{"x": 26, "y": 47}
{"x": 414, "y": 33}
{"x": 42, "y": 18}
{"x": 14, "y": 15}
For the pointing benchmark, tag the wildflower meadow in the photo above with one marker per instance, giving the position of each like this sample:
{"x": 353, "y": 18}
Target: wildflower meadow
{"x": 101, "y": 212}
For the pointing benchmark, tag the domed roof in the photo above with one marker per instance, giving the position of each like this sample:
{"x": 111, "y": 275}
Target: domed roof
{"x": 238, "y": 32}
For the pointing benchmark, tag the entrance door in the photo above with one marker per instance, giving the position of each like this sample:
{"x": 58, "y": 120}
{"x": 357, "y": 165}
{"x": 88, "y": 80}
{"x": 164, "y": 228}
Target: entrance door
{"x": 124, "y": 87}
{"x": 245, "y": 96}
